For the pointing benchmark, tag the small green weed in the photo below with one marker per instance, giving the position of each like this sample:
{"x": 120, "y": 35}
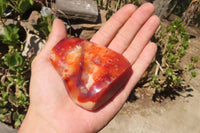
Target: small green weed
{"x": 173, "y": 45}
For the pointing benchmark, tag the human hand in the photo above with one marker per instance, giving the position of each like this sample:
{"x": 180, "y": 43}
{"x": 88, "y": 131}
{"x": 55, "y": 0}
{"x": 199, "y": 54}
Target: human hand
{"x": 51, "y": 110}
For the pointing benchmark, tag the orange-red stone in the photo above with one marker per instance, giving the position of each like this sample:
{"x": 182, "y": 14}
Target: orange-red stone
{"x": 92, "y": 74}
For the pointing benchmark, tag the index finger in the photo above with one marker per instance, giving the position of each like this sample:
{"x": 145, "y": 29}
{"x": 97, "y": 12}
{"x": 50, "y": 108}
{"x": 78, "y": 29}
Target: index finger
{"x": 107, "y": 32}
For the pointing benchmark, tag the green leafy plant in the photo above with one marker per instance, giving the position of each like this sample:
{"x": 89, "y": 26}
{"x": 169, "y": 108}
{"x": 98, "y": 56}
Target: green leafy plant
{"x": 21, "y": 6}
{"x": 11, "y": 36}
{"x": 14, "y": 69}
{"x": 3, "y": 7}
{"x": 44, "y": 25}
{"x": 15, "y": 73}
{"x": 191, "y": 67}
{"x": 18, "y": 8}
{"x": 173, "y": 45}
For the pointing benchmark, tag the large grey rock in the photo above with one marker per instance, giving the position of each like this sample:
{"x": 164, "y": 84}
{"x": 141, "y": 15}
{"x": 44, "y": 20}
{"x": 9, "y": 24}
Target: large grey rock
{"x": 79, "y": 9}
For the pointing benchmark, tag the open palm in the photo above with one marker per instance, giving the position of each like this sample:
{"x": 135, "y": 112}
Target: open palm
{"x": 51, "y": 110}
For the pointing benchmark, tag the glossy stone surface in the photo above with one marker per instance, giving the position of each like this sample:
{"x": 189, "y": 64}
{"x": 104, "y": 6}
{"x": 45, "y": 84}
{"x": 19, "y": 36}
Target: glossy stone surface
{"x": 92, "y": 74}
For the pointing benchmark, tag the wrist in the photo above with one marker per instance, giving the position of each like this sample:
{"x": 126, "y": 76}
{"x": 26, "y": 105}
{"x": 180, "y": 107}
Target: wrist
{"x": 34, "y": 123}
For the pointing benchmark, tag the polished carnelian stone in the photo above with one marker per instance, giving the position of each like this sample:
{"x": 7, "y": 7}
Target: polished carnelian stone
{"x": 92, "y": 74}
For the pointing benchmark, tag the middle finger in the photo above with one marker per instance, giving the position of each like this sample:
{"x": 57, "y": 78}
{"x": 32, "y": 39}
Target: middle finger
{"x": 131, "y": 27}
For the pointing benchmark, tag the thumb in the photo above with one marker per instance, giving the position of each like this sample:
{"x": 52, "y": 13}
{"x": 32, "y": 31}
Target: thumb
{"x": 58, "y": 33}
